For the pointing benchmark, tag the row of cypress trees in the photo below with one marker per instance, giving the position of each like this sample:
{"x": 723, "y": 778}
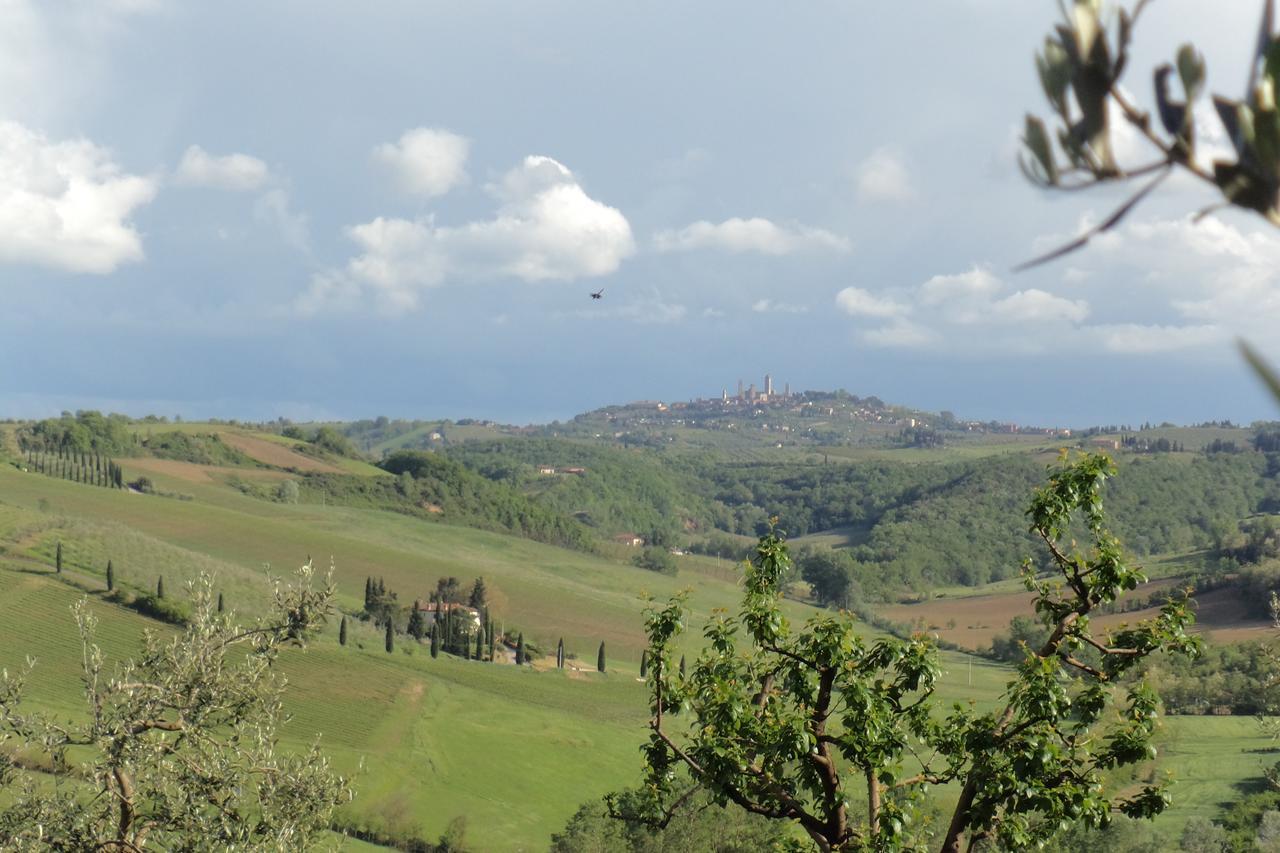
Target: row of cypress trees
{"x": 77, "y": 466}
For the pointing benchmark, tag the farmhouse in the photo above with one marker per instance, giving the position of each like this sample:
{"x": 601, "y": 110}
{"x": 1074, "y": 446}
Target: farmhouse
{"x": 431, "y": 611}
{"x": 631, "y": 540}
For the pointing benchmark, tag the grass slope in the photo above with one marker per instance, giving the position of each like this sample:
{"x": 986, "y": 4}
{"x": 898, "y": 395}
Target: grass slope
{"x": 515, "y": 751}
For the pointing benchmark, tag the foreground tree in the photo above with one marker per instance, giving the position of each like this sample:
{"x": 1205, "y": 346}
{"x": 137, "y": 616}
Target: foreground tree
{"x": 796, "y": 725}
{"x": 179, "y": 751}
{"x": 1081, "y": 68}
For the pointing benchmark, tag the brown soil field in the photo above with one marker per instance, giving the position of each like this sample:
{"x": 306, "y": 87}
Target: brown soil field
{"x": 1221, "y": 613}
{"x": 192, "y": 473}
{"x": 278, "y": 455}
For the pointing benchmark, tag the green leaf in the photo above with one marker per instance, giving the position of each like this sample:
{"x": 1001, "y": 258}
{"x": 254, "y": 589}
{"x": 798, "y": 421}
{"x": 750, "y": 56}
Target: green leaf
{"x": 1037, "y": 141}
{"x": 1191, "y": 70}
{"x": 1054, "y": 66}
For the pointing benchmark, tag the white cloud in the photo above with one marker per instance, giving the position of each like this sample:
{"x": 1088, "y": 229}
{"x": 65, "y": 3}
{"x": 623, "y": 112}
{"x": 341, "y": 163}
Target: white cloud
{"x": 234, "y": 172}
{"x": 884, "y": 176}
{"x": 546, "y": 228}
{"x": 749, "y": 235}
{"x": 66, "y": 204}
{"x": 425, "y": 161}
{"x": 1211, "y": 279}
{"x": 769, "y": 306}
{"x": 972, "y": 309}
{"x": 965, "y": 289}
{"x": 1035, "y": 306}
{"x": 863, "y": 303}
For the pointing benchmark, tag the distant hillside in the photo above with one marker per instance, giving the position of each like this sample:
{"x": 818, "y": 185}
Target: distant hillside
{"x": 610, "y": 489}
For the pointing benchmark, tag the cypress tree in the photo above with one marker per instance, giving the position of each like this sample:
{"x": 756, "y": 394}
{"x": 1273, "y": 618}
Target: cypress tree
{"x": 560, "y": 654}
{"x": 417, "y": 627}
{"x": 111, "y": 577}
{"x": 221, "y": 603}
{"x": 682, "y": 666}
{"x": 644, "y": 663}
{"x": 368, "y": 592}
{"x": 342, "y": 632}
{"x": 479, "y": 595}
{"x": 600, "y": 658}
{"x": 479, "y": 644}
{"x": 391, "y": 637}
{"x": 160, "y": 587}
{"x": 520, "y": 651}
{"x": 435, "y": 639}
{"x": 57, "y": 557}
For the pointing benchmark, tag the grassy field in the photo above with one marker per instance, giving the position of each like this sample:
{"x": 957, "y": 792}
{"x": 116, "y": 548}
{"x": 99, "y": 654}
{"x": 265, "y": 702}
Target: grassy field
{"x": 514, "y": 750}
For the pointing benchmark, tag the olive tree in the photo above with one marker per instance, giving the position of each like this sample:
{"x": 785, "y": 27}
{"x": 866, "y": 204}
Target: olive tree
{"x": 1081, "y": 68}
{"x": 178, "y": 748}
{"x": 798, "y": 723}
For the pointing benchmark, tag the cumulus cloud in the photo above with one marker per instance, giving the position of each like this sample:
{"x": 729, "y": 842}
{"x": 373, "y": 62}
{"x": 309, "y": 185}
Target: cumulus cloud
{"x": 1205, "y": 281}
{"x": 884, "y": 177}
{"x": 425, "y": 161}
{"x": 857, "y": 302}
{"x": 66, "y": 204}
{"x": 234, "y": 172}
{"x": 546, "y": 228}
{"x": 974, "y": 307}
{"x": 749, "y": 235}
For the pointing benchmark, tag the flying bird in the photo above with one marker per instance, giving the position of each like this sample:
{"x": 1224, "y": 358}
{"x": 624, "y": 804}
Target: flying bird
{"x": 598, "y": 294}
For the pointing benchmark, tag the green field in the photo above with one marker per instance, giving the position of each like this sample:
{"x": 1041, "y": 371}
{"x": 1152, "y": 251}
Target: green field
{"x": 515, "y": 751}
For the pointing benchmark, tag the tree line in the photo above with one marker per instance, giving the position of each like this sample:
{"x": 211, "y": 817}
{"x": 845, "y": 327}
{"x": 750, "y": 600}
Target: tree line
{"x": 78, "y": 466}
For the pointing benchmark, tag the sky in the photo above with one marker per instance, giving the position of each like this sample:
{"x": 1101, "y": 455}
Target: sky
{"x": 324, "y": 210}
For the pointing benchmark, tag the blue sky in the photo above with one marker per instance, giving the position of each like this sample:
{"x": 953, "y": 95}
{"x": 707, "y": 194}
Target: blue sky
{"x": 319, "y": 209}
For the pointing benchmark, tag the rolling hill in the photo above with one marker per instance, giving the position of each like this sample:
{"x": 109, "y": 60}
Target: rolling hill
{"x": 514, "y": 750}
